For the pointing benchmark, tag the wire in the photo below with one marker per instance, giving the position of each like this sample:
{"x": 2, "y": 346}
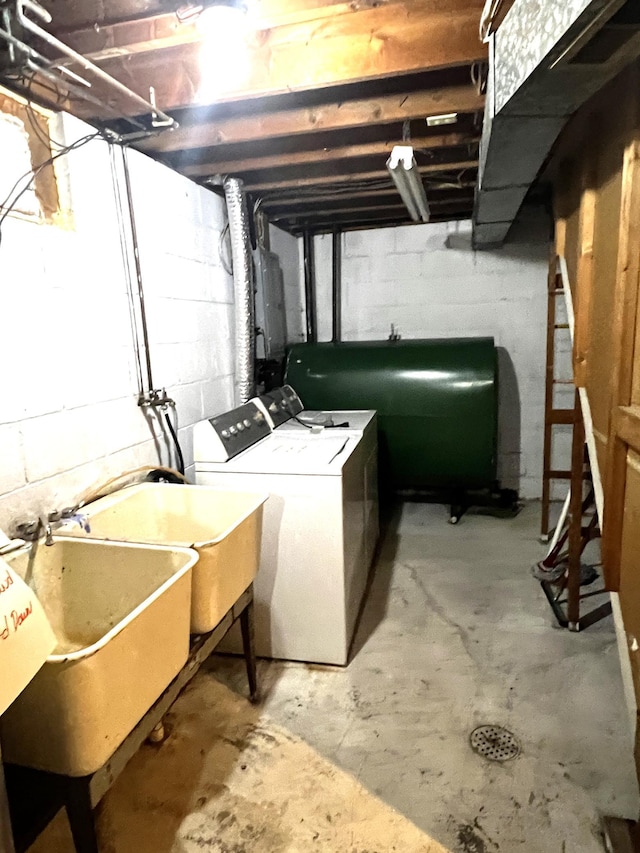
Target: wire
{"x": 487, "y": 18}
{"x": 225, "y": 261}
{"x": 47, "y": 140}
{"x": 344, "y": 425}
{"x": 174, "y": 435}
{"x": 14, "y": 195}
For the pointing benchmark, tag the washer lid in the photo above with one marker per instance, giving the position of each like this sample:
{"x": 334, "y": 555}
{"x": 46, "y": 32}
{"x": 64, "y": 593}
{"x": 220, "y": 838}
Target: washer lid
{"x": 291, "y": 454}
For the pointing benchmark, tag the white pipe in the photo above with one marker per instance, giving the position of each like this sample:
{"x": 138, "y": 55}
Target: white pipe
{"x": 37, "y": 30}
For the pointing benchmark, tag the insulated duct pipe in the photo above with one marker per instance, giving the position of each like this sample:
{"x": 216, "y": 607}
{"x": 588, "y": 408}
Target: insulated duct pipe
{"x": 310, "y": 287}
{"x": 336, "y": 286}
{"x": 243, "y": 288}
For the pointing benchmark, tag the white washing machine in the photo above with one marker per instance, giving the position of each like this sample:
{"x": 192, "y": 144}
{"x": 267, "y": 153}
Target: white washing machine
{"x": 314, "y": 564}
{"x": 285, "y": 413}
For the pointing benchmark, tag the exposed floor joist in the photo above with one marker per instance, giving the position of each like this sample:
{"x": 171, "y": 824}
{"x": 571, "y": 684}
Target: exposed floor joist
{"x": 330, "y": 88}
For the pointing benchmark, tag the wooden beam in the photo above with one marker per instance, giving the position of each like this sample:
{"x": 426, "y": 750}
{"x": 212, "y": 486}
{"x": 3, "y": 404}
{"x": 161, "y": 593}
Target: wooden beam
{"x": 584, "y": 277}
{"x": 329, "y": 226}
{"x": 325, "y": 117}
{"x": 276, "y": 201}
{"x": 102, "y": 41}
{"x": 346, "y": 212}
{"x": 623, "y": 335}
{"x": 627, "y": 426}
{"x": 209, "y": 165}
{"x": 365, "y": 45}
{"x": 354, "y": 177}
{"x": 346, "y": 201}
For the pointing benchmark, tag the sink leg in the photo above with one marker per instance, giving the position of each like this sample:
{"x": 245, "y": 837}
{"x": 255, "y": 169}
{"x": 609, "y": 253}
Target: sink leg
{"x": 81, "y": 815}
{"x": 248, "y": 646}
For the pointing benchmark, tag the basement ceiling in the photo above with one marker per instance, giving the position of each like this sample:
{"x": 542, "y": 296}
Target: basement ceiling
{"x": 328, "y": 88}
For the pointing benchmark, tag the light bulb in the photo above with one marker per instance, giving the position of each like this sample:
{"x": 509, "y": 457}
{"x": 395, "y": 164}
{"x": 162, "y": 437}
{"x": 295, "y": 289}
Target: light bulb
{"x": 223, "y": 51}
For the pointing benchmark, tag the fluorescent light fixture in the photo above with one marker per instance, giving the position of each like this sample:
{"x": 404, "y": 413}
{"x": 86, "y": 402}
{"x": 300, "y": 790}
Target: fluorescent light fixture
{"x": 445, "y": 118}
{"x": 405, "y": 175}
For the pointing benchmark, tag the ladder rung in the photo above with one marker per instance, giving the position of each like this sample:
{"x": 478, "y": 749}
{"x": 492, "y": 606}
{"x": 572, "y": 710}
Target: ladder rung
{"x": 561, "y": 416}
{"x": 561, "y": 326}
{"x": 554, "y": 474}
{"x": 563, "y": 381}
{"x": 556, "y": 291}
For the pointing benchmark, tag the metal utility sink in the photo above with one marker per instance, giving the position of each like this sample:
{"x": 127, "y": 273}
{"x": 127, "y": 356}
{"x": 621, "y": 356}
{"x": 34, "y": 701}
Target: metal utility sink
{"x": 224, "y": 527}
{"x": 120, "y": 613}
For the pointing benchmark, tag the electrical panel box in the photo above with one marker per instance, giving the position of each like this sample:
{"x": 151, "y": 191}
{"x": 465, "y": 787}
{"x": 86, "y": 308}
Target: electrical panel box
{"x": 271, "y": 324}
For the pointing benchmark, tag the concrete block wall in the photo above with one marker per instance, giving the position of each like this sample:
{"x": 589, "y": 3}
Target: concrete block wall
{"x": 289, "y": 250}
{"x": 428, "y": 282}
{"x": 69, "y": 417}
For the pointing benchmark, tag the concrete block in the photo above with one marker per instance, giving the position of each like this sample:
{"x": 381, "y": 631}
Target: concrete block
{"x": 422, "y": 237}
{"x": 217, "y": 395}
{"x": 12, "y": 473}
{"x": 57, "y": 442}
{"x": 189, "y": 405}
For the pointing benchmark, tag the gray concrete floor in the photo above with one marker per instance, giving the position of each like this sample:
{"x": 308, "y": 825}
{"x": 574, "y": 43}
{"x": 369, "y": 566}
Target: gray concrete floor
{"x": 455, "y": 634}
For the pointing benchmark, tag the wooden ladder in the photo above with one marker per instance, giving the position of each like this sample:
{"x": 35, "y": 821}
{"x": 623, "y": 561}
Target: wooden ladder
{"x": 552, "y": 416}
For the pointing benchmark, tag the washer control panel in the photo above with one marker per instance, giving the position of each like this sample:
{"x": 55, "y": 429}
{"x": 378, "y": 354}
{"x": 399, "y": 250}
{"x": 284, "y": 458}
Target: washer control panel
{"x": 224, "y": 436}
{"x": 280, "y": 405}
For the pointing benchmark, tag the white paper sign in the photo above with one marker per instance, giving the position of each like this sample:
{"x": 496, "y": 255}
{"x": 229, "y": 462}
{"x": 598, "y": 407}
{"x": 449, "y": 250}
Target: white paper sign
{"x": 26, "y": 637}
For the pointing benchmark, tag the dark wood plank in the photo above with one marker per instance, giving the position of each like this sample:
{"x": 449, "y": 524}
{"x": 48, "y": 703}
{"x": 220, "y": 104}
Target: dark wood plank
{"x": 346, "y": 177}
{"x": 348, "y": 113}
{"x": 209, "y": 164}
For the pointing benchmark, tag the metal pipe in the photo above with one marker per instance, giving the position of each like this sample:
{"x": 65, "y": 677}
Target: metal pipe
{"x": 336, "y": 286}
{"x": 30, "y": 25}
{"x": 243, "y": 288}
{"x": 126, "y": 261}
{"x": 6, "y": 835}
{"x": 310, "y": 286}
{"x": 81, "y": 93}
{"x": 136, "y": 258}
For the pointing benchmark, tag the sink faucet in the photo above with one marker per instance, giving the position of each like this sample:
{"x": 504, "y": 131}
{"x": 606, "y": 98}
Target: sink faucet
{"x": 31, "y": 531}
{"x": 58, "y": 517}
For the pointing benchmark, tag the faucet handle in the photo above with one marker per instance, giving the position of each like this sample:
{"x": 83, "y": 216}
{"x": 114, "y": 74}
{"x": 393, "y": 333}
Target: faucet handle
{"x": 29, "y": 530}
{"x": 55, "y": 515}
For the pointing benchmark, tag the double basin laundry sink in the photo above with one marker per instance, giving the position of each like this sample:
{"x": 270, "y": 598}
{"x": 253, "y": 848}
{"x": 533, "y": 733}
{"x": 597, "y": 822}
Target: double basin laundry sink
{"x": 122, "y": 610}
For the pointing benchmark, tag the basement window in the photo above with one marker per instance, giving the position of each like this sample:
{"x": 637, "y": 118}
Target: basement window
{"x": 26, "y": 143}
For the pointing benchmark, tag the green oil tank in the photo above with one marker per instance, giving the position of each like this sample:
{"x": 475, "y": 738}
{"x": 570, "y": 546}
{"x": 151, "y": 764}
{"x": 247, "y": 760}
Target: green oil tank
{"x": 437, "y": 404}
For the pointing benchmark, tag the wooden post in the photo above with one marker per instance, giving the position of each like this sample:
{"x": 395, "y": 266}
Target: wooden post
{"x": 584, "y": 283}
{"x": 623, "y": 338}
{"x": 575, "y": 523}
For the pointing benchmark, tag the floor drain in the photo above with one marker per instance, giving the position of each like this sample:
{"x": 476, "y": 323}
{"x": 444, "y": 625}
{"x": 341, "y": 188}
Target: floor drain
{"x": 494, "y": 743}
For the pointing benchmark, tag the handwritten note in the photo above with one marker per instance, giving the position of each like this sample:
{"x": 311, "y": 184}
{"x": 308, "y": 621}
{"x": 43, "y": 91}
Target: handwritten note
{"x": 26, "y": 638}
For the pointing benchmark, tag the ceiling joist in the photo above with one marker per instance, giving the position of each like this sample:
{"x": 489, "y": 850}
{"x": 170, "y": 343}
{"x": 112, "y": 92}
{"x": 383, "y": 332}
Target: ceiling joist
{"x": 329, "y": 87}
{"x": 324, "y": 155}
{"x": 327, "y": 117}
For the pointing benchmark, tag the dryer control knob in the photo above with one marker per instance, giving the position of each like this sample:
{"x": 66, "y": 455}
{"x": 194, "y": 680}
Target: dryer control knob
{"x": 233, "y": 430}
{"x": 247, "y": 423}
{"x": 240, "y": 426}
{"x": 225, "y": 434}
